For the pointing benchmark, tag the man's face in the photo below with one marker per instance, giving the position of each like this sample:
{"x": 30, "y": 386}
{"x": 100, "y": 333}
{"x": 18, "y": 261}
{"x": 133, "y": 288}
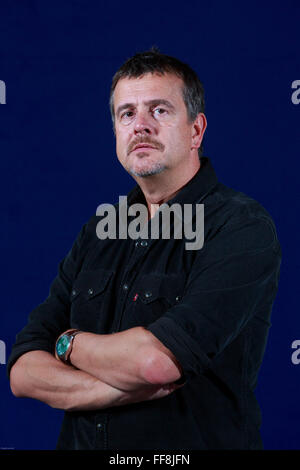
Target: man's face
{"x": 153, "y": 133}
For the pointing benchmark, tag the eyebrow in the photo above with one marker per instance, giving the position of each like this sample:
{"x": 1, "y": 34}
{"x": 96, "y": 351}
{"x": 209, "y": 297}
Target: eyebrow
{"x": 151, "y": 103}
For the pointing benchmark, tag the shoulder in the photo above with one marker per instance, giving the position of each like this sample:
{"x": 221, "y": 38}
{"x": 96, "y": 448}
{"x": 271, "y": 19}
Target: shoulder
{"x": 231, "y": 205}
{"x": 227, "y": 209}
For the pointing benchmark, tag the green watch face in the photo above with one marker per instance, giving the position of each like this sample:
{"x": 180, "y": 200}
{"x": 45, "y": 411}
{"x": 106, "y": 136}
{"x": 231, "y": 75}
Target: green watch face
{"x": 62, "y": 345}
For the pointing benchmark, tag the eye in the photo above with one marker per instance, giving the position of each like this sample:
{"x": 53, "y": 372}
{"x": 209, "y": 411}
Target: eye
{"x": 126, "y": 115}
{"x": 159, "y": 111}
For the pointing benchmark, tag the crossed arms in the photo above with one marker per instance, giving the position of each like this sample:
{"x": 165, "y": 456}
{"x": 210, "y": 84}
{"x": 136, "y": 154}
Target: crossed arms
{"x": 234, "y": 278}
{"x": 107, "y": 370}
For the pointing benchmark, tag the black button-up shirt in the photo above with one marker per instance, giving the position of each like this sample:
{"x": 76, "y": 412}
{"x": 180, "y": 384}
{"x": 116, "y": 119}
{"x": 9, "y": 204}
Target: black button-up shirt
{"x": 211, "y": 307}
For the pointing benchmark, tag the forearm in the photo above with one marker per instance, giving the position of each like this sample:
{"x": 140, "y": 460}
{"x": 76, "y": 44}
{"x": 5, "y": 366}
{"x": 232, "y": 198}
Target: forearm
{"x": 127, "y": 360}
{"x": 38, "y": 375}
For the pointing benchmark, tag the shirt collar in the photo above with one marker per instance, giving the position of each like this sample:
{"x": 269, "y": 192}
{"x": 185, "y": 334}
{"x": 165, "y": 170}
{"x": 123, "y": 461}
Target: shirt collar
{"x": 193, "y": 191}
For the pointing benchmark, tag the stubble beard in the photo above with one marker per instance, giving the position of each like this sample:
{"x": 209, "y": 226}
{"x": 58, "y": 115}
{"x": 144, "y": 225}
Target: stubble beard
{"x": 154, "y": 170}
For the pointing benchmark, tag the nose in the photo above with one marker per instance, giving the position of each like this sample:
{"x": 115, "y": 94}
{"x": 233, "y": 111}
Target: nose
{"x": 143, "y": 124}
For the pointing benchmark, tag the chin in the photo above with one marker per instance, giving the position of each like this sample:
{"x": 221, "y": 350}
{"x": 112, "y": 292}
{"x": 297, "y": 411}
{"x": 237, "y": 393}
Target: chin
{"x": 147, "y": 171}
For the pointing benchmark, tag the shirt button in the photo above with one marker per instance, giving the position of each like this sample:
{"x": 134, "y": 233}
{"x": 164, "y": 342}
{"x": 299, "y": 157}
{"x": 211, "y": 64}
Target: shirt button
{"x": 137, "y": 244}
{"x": 148, "y": 294}
{"x": 99, "y": 426}
{"x": 90, "y": 291}
{"x": 144, "y": 243}
{"x": 73, "y": 292}
{"x": 177, "y": 298}
{"x": 125, "y": 287}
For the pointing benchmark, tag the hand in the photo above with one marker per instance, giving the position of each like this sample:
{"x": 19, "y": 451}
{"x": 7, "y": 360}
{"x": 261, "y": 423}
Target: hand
{"x": 150, "y": 392}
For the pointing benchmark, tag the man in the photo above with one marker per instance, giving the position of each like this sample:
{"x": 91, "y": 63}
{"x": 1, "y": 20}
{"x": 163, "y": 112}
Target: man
{"x": 157, "y": 346}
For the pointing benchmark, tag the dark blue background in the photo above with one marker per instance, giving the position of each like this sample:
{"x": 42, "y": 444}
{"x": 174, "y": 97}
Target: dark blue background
{"x": 58, "y": 160}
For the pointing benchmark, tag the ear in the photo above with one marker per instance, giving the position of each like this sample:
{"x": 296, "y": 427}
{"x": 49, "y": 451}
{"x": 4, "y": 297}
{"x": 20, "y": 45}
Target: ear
{"x": 198, "y": 130}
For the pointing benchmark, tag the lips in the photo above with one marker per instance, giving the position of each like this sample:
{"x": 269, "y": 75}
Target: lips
{"x": 143, "y": 146}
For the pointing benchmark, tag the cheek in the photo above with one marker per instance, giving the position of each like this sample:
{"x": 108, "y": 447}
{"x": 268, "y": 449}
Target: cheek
{"x": 179, "y": 139}
{"x": 186, "y": 139}
{"x": 177, "y": 132}
{"x": 120, "y": 146}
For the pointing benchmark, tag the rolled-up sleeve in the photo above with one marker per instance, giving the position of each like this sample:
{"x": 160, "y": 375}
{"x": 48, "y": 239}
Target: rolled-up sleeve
{"x": 51, "y": 317}
{"x": 234, "y": 276}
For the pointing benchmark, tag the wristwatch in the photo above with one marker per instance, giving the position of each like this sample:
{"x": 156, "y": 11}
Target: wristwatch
{"x": 64, "y": 345}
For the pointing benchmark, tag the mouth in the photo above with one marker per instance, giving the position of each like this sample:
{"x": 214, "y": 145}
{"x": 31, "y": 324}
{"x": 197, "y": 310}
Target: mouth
{"x": 143, "y": 146}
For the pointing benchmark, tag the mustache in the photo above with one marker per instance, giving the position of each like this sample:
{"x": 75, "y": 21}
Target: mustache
{"x": 145, "y": 140}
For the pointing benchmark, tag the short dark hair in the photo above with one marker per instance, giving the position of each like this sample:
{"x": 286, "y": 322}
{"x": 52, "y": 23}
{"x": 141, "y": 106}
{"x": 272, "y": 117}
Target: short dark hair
{"x": 152, "y": 61}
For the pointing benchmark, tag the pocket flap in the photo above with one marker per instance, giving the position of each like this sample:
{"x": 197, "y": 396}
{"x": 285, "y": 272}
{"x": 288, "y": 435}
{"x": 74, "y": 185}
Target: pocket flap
{"x": 90, "y": 283}
{"x": 153, "y": 287}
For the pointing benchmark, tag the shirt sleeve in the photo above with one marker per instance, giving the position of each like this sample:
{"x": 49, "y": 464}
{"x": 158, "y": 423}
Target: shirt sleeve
{"x": 234, "y": 275}
{"x": 49, "y": 319}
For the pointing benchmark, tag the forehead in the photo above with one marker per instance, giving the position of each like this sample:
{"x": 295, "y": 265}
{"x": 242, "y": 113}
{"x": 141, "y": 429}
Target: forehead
{"x": 148, "y": 87}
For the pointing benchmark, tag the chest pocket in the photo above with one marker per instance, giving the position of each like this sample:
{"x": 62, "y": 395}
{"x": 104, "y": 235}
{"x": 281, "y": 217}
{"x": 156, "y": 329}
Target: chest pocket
{"x": 88, "y": 298}
{"x": 155, "y": 295}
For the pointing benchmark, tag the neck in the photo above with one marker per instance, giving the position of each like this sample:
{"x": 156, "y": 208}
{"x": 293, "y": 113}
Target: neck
{"x": 162, "y": 187}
